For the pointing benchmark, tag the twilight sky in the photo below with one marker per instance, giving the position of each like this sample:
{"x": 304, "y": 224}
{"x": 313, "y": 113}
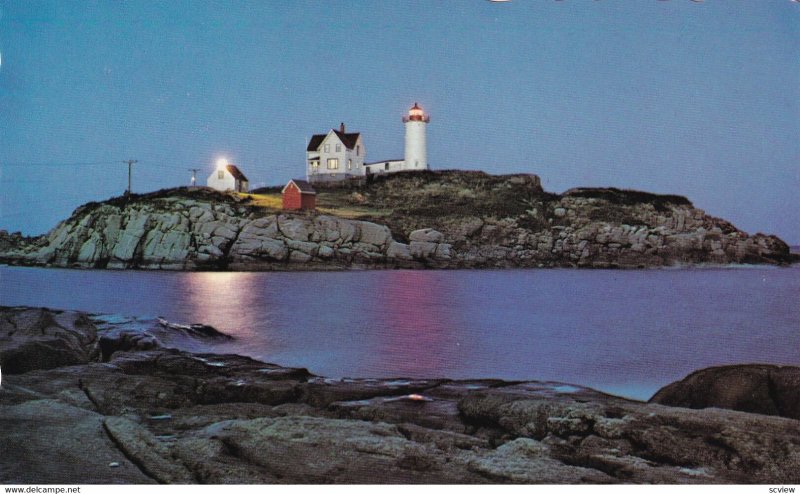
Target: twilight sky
{"x": 697, "y": 99}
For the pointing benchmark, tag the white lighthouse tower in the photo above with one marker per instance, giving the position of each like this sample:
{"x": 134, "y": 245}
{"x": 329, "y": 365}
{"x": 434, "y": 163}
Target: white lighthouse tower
{"x": 416, "y": 157}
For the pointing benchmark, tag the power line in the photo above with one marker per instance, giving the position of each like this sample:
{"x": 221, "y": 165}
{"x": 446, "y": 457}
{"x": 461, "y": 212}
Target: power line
{"x": 64, "y": 165}
{"x": 61, "y": 206}
{"x": 55, "y": 164}
{"x": 12, "y": 181}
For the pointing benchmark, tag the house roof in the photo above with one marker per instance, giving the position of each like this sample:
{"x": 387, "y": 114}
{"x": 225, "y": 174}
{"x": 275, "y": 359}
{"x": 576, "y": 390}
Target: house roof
{"x": 305, "y": 187}
{"x": 381, "y": 162}
{"x": 315, "y": 141}
{"x": 236, "y": 172}
{"x": 348, "y": 139}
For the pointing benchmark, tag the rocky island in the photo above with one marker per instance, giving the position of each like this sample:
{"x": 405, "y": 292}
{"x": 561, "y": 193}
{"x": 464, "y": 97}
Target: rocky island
{"x": 442, "y": 219}
{"x": 82, "y": 403}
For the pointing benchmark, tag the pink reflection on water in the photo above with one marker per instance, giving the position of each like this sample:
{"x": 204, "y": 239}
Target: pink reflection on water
{"x": 227, "y": 301}
{"x": 420, "y": 334}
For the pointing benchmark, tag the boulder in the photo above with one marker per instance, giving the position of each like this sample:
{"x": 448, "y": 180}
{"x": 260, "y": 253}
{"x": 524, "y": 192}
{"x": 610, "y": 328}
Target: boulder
{"x": 757, "y": 388}
{"x": 328, "y": 228}
{"x": 293, "y": 228}
{"x": 260, "y": 247}
{"x": 299, "y": 256}
{"x": 422, "y": 250}
{"x": 398, "y": 250}
{"x": 130, "y": 238}
{"x": 444, "y": 251}
{"x": 372, "y": 233}
{"x": 426, "y": 235}
{"x": 309, "y": 248}
{"x": 42, "y": 339}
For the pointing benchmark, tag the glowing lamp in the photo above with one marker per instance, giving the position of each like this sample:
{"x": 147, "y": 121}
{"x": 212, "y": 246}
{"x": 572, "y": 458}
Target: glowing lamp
{"x": 222, "y": 163}
{"x": 416, "y": 114}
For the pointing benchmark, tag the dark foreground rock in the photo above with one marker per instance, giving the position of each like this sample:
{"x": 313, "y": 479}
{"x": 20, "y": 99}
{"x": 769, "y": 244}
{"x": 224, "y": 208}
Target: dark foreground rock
{"x": 162, "y": 415}
{"x": 758, "y": 388}
{"x": 43, "y": 339}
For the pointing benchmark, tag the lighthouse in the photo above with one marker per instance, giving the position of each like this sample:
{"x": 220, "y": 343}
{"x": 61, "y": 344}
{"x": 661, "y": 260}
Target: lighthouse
{"x": 416, "y": 157}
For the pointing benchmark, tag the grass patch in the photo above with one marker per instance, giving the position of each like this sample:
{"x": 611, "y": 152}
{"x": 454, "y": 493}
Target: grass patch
{"x": 335, "y": 204}
{"x": 355, "y": 212}
{"x": 267, "y": 201}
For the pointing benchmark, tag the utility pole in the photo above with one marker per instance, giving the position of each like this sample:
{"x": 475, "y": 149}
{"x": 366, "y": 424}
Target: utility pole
{"x": 194, "y": 175}
{"x": 130, "y": 163}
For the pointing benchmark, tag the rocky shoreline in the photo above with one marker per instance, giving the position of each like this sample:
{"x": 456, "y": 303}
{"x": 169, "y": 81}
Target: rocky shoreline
{"x": 443, "y": 220}
{"x": 80, "y": 404}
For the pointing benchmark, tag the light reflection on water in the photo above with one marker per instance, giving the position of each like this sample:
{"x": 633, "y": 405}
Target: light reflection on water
{"x": 624, "y": 332}
{"x": 229, "y": 297}
{"x": 420, "y": 329}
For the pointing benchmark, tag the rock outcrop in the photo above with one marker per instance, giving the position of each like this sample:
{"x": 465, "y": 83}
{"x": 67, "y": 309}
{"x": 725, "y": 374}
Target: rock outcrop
{"x": 168, "y": 416}
{"x": 597, "y": 228}
{"x": 439, "y": 220}
{"x": 755, "y": 388}
{"x": 186, "y": 234}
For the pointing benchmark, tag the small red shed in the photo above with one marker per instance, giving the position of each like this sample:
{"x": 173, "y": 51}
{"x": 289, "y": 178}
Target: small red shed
{"x": 299, "y": 194}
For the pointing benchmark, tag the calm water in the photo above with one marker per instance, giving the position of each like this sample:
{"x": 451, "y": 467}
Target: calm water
{"x": 624, "y": 332}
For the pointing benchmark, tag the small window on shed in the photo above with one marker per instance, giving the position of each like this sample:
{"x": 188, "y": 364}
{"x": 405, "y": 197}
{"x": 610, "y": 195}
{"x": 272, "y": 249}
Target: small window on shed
{"x": 220, "y": 174}
{"x": 386, "y": 166}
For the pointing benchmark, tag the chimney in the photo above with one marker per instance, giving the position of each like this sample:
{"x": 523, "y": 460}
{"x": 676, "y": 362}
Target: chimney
{"x": 341, "y": 127}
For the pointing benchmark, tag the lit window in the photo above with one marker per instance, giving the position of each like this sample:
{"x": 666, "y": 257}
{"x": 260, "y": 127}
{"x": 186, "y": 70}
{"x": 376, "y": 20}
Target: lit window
{"x": 327, "y": 148}
{"x": 338, "y": 148}
{"x": 349, "y": 164}
{"x": 333, "y": 163}
{"x": 314, "y": 164}
{"x": 220, "y": 174}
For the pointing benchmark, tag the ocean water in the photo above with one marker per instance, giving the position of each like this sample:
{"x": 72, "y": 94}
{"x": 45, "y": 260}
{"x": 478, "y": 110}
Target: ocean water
{"x": 622, "y": 332}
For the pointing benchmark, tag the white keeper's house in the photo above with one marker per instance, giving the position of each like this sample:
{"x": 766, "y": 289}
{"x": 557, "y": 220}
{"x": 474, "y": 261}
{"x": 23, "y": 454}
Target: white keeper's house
{"x": 339, "y": 155}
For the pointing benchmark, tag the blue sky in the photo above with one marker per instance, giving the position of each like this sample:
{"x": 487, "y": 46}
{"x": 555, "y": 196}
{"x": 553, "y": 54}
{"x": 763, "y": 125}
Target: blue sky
{"x": 698, "y": 99}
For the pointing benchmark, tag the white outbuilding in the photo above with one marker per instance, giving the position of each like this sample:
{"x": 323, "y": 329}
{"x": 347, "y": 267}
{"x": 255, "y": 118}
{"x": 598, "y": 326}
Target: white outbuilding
{"x": 228, "y": 177}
